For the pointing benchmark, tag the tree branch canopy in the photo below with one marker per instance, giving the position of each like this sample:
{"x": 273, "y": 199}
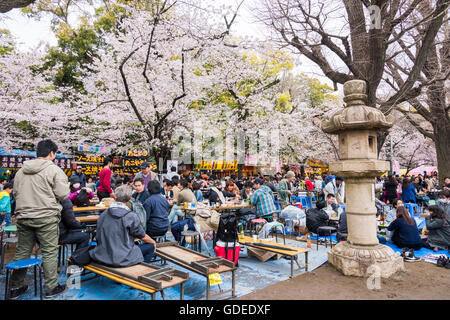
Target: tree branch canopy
{"x": 6, "y": 5}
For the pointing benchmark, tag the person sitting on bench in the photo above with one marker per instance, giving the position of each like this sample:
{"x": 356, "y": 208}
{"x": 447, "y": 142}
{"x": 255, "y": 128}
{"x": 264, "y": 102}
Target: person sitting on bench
{"x": 70, "y": 228}
{"x": 157, "y": 208}
{"x": 117, "y": 229}
{"x": 316, "y": 217}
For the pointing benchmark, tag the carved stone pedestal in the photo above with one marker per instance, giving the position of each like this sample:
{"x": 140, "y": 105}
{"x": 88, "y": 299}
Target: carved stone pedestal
{"x": 357, "y": 126}
{"x": 363, "y": 261}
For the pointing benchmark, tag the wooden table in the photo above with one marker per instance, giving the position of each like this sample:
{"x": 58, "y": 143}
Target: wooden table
{"x": 139, "y": 277}
{"x": 248, "y": 241}
{"x": 89, "y": 218}
{"x": 198, "y": 263}
{"x": 222, "y": 208}
{"x": 88, "y": 209}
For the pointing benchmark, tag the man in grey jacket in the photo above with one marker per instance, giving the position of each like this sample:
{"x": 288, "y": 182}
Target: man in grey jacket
{"x": 39, "y": 187}
{"x": 117, "y": 228}
{"x": 284, "y": 189}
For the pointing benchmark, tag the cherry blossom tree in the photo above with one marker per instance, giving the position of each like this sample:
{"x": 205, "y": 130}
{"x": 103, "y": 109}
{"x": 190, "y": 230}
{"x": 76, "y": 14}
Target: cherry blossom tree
{"x": 29, "y": 107}
{"x": 409, "y": 146}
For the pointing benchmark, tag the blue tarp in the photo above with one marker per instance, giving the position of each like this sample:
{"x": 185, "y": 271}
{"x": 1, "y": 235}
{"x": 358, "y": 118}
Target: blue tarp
{"x": 251, "y": 275}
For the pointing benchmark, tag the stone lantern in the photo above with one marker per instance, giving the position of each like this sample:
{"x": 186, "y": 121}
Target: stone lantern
{"x": 357, "y": 126}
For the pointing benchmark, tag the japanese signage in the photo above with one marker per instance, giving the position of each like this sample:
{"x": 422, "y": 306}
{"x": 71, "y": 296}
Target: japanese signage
{"x": 137, "y": 153}
{"x": 93, "y": 159}
{"x": 16, "y": 162}
{"x": 132, "y": 161}
{"x": 217, "y": 165}
{"x": 90, "y": 147}
{"x": 91, "y": 165}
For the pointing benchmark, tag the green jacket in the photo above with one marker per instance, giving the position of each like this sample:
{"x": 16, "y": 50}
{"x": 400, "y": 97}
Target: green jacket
{"x": 39, "y": 187}
{"x": 283, "y": 195}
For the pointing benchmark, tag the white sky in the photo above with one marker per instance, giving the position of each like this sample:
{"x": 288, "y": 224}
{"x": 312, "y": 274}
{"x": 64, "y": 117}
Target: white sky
{"x": 31, "y": 33}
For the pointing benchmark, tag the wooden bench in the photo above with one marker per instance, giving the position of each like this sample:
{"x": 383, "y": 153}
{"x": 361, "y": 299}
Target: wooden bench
{"x": 198, "y": 263}
{"x": 291, "y": 252}
{"x": 144, "y": 277}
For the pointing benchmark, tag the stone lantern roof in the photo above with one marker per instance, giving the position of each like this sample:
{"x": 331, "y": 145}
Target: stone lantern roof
{"x": 356, "y": 115}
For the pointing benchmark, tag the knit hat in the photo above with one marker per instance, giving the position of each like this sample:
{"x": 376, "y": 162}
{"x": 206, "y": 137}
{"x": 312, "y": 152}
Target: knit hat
{"x": 290, "y": 174}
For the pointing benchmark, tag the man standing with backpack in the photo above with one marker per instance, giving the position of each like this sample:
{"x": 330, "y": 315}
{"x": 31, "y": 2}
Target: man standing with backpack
{"x": 39, "y": 187}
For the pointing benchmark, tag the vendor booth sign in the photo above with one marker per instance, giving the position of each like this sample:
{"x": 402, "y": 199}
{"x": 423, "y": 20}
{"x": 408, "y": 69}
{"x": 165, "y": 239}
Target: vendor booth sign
{"x": 93, "y": 148}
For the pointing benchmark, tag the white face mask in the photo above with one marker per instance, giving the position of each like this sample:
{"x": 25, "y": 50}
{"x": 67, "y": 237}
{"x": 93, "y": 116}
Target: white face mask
{"x": 76, "y": 185}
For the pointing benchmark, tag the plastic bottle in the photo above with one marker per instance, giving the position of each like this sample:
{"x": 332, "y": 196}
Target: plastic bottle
{"x": 308, "y": 242}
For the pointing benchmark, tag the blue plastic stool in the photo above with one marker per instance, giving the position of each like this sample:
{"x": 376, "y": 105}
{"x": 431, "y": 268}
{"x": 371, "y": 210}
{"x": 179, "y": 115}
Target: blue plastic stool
{"x": 410, "y": 207}
{"x": 306, "y": 202}
{"x": 22, "y": 264}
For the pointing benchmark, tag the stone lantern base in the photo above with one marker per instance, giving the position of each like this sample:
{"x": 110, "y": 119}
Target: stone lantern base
{"x": 355, "y": 260}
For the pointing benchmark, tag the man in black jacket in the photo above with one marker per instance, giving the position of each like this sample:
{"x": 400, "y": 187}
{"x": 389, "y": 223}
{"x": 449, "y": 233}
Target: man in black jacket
{"x": 316, "y": 217}
{"x": 69, "y": 227}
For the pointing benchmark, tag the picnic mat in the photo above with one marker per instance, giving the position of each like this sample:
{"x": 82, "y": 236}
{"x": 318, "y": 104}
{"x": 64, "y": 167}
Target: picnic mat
{"x": 419, "y": 253}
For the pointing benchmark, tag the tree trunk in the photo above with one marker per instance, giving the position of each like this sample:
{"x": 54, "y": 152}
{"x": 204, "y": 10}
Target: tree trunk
{"x": 6, "y": 5}
{"x": 442, "y": 142}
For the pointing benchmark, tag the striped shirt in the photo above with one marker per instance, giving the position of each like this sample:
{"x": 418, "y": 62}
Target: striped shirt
{"x": 263, "y": 199}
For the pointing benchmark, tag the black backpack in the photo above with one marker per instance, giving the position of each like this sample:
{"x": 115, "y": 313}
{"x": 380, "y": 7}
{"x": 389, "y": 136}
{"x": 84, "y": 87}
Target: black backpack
{"x": 82, "y": 198}
{"x": 227, "y": 231}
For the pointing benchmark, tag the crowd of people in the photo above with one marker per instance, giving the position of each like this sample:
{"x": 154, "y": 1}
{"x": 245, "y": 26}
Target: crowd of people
{"x": 42, "y": 199}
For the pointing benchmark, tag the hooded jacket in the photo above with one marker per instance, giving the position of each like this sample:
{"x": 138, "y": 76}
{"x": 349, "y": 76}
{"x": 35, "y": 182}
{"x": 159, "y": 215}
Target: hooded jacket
{"x": 39, "y": 187}
{"x": 316, "y": 218}
{"x": 68, "y": 221}
{"x": 117, "y": 228}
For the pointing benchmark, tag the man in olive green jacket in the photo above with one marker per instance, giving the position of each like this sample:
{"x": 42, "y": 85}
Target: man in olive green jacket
{"x": 284, "y": 192}
{"x": 39, "y": 187}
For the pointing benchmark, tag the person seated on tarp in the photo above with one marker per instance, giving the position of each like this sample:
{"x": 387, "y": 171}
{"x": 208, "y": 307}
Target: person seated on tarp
{"x": 117, "y": 229}
{"x": 438, "y": 228}
{"x": 391, "y": 215}
{"x": 406, "y": 234}
{"x": 331, "y": 207}
{"x": 140, "y": 194}
{"x": 157, "y": 209}
{"x": 342, "y": 230}
{"x": 217, "y": 195}
{"x": 444, "y": 201}
{"x": 317, "y": 217}
{"x": 70, "y": 228}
